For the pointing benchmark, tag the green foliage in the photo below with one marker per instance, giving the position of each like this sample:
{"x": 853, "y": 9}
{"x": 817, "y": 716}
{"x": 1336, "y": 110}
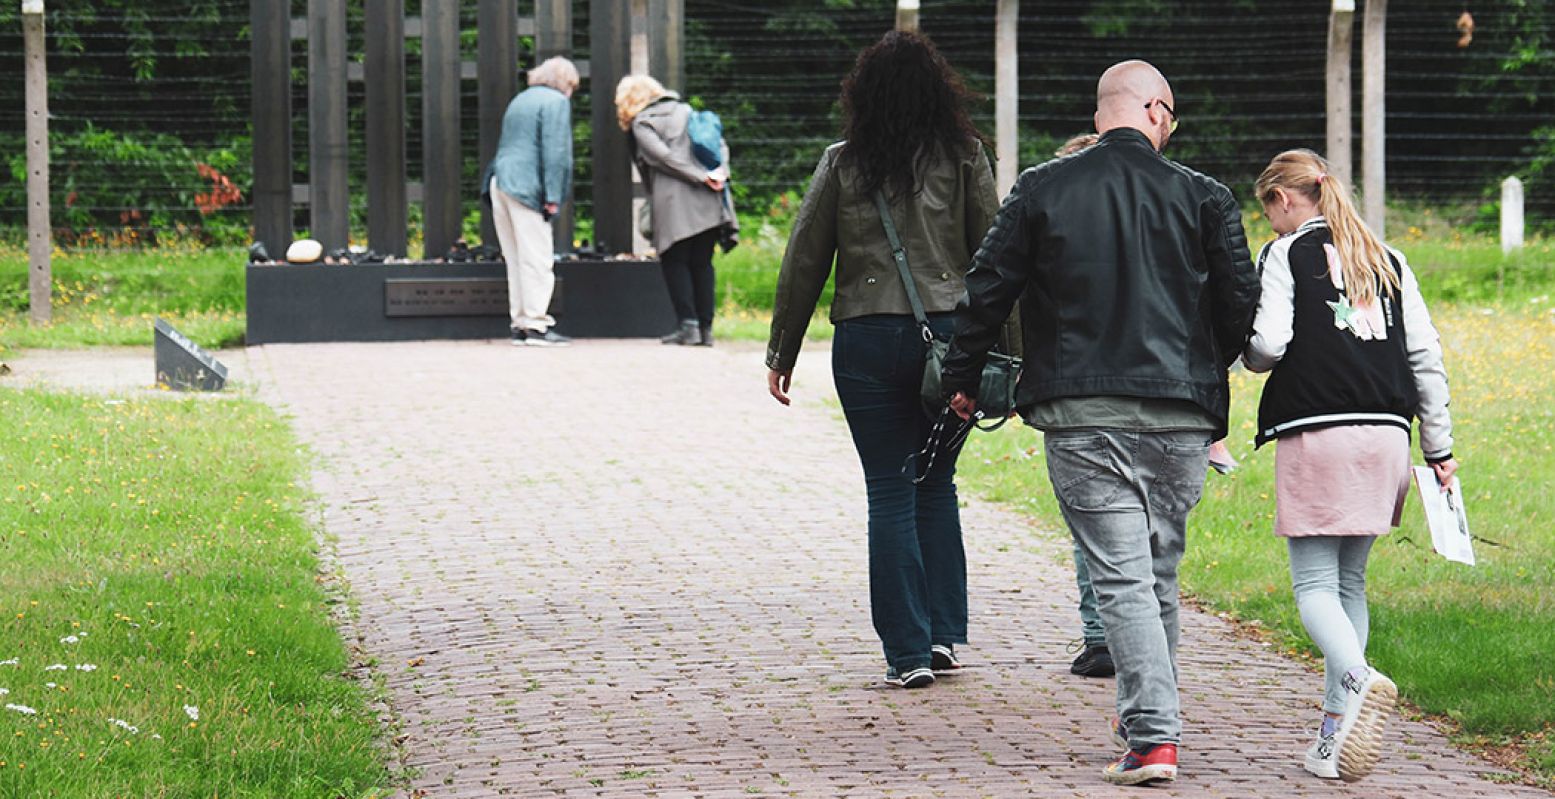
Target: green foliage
{"x": 124, "y": 188}
{"x": 159, "y": 550}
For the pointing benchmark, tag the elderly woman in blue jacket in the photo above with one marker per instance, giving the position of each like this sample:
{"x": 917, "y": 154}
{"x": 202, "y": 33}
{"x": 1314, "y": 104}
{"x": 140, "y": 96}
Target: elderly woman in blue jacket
{"x": 531, "y": 177}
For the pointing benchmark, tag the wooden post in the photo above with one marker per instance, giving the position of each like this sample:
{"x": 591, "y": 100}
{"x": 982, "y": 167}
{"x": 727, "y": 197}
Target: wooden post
{"x": 39, "y": 239}
{"x": 387, "y": 202}
{"x": 1374, "y": 115}
{"x": 639, "y": 60}
{"x": 641, "y": 64}
{"x": 271, "y": 116}
{"x": 610, "y": 28}
{"x": 1511, "y": 215}
{"x": 1341, "y": 26}
{"x": 440, "y": 127}
{"x": 907, "y": 15}
{"x": 553, "y": 37}
{"x": 328, "y": 143}
{"x": 1006, "y": 93}
{"x": 497, "y": 23}
{"x": 666, "y": 42}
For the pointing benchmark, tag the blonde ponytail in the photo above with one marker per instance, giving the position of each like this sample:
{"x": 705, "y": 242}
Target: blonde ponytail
{"x": 1366, "y": 266}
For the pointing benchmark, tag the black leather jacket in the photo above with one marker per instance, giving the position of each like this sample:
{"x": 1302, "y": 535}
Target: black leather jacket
{"x": 1133, "y": 277}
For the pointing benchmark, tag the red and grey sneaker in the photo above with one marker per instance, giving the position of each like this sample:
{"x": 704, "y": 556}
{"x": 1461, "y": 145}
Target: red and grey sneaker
{"x": 1159, "y": 762}
{"x": 1119, "y": 733}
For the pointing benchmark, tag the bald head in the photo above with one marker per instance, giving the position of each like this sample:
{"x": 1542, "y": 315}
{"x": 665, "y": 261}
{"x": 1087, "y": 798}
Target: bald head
{"x": 1130, "y": 82}
{"x": 1126, "y": 97}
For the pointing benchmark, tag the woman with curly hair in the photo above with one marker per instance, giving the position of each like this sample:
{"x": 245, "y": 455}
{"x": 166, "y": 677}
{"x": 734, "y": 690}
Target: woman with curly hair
{"x": 909, "y": 139}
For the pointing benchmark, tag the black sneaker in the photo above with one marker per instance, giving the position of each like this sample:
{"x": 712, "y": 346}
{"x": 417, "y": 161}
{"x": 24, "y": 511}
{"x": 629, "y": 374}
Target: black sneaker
{"x": 920, "y": 677}
{"x": 1095, "y": 661}
{"x": 550, "y": 338}
{"x": 517, "y": 337}
{"x": 942, "y": 657}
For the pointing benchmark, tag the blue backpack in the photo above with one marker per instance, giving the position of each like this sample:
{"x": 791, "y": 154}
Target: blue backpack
{"x": 706, "y": 131}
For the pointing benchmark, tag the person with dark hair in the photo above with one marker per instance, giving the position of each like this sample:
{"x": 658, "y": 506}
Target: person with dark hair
{"x": 908, "y": 142}
{"x": 1138, "y": 293}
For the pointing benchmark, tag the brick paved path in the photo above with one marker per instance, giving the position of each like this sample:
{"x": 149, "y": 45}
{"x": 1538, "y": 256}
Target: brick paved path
{"x": 622, "y": 570}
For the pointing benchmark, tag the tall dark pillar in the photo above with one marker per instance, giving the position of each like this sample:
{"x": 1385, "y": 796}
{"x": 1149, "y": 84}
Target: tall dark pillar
{"x": 387, "y": 207}
{"x": 440, "y": 126}
{"x": 553, "y": 37}
{"x": 328, "y": 144}
{"x": 497, "y": 32}
{"x": 610, "y": 27}
{"x": 270, "y": 26}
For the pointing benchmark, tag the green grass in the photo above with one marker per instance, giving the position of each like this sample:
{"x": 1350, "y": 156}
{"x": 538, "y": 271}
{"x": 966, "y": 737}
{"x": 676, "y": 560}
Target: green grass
{"x": 1470, "y": 644}
{"x": 169, "y": 537}
{"x": 109, "y": 297}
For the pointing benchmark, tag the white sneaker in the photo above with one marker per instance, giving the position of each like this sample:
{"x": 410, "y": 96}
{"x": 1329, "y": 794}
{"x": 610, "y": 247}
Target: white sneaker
{"x": 1369, "y": 700}
{"x": 1321, "y": 759}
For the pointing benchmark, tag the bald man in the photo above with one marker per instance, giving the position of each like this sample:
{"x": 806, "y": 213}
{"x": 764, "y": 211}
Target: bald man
{"x": 1136, "y": 293}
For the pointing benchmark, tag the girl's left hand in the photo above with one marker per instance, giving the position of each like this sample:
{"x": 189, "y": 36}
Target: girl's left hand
{"x": 1444, "y": 471}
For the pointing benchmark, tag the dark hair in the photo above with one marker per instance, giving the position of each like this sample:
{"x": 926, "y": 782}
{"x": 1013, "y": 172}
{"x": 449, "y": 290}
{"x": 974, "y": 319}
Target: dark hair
{"x": 903, "y": 106}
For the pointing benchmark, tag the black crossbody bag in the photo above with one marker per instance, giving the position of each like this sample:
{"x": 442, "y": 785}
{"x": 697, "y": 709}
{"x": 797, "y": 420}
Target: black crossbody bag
{"x": 1001, "y": 372}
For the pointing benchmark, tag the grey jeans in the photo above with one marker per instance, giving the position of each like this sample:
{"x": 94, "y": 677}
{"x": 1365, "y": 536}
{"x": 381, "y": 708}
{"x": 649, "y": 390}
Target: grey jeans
{"x": 1328, "y": 574}
{"x": 1126, "y": 497}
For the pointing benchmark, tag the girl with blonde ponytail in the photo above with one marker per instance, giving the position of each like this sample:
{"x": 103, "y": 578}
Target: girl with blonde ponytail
{"x": 1354, "y": 360}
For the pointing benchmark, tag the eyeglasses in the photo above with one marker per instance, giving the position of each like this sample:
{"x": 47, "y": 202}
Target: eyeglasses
{"x": 1169, "y": 111}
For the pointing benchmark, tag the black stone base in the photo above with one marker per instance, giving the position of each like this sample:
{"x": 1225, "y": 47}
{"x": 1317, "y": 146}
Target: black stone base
{"x": 418, "y": 301}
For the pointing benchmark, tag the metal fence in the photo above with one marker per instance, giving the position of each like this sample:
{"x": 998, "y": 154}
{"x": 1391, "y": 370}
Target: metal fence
{"x": 138, "y": 103}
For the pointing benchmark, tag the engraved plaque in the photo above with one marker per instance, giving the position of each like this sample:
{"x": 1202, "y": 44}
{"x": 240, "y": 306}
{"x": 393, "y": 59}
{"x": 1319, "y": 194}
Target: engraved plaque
{"x": 181, "y": 364}
{"x": 448, "y": 296}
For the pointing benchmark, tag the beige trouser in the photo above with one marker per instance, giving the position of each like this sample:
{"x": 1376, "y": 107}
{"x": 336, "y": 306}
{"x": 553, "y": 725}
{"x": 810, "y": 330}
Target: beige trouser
{"x": 525, "y": 236}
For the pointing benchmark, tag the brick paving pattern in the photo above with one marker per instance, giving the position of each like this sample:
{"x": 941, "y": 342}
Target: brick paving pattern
{"x": 621, "y": 570}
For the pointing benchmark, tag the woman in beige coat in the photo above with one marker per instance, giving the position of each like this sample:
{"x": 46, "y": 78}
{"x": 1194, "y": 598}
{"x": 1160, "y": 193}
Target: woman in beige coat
{"x": 689, "y": 204}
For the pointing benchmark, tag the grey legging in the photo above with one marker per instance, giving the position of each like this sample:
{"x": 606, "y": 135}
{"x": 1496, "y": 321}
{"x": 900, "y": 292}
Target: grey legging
{"x": 1328, "y": 573}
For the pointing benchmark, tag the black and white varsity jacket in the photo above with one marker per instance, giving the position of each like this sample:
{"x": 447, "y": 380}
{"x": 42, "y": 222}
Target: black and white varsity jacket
{"x": 1334, "y": 364}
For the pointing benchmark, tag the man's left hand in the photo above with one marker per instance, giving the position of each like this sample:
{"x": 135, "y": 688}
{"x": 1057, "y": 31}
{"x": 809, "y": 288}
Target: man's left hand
{"x": 963, "y": 405}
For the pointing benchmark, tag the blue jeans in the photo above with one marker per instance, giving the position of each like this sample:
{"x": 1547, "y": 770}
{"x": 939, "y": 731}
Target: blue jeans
{"x": 917, "y": 567}
{"x": 1091, "y": 628}
{"x": 1126, "y": 497}
{"x": 1328, "y": 574}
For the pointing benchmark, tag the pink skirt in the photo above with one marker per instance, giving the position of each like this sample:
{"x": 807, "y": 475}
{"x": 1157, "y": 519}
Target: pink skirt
{"x": 1341, "y": 481}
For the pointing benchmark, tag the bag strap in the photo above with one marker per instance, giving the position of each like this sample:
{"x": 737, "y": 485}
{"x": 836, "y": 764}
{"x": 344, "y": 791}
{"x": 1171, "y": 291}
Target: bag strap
{"x": 899, "y": 255}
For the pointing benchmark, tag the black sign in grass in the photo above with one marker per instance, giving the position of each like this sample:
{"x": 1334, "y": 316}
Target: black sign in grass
{"x": 182, "y": 365}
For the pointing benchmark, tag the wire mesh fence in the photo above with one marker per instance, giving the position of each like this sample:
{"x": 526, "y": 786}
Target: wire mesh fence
{"x": 144, "y": 92}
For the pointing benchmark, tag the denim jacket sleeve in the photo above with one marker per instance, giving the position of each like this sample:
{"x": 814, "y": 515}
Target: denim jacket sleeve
{"x": 812, "y": 249}
{"x": 556, "y": 149}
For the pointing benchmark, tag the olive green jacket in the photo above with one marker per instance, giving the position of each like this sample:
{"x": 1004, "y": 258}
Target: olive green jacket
{"x": 941, "y": 227}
